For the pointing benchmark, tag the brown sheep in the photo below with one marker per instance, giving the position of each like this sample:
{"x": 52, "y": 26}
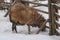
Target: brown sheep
{"x": 20, "y": 14}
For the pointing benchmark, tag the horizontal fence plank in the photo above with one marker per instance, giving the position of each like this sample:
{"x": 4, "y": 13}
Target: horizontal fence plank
{"x": 58, "y": 16}
{"x": 57, "y": 23}
{"x": 42, "y": 11}
{"x": 58, "y": 7}
{"x": 39, "y": 4}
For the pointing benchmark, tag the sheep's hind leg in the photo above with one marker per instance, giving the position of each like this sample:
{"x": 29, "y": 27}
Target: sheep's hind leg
{"x": 29, "y": 31}
{"x": 14, "y": 27}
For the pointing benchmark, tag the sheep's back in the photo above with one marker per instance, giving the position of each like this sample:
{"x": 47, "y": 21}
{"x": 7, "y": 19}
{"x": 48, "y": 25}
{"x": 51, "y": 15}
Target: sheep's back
{"x": 19, "y": 13}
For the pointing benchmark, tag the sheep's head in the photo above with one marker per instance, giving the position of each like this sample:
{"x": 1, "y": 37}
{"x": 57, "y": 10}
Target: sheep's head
{"x": 40, "y": 21}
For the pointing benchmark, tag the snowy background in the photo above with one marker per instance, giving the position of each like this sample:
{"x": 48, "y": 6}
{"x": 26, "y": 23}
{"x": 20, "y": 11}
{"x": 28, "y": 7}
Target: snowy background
{"x": 7, "y": 34}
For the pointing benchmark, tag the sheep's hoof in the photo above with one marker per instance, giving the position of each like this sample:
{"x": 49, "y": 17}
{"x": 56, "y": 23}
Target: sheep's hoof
{"x": 16, "y": 31}
{"x": 43, "y": 30}
{"x": 13, "y": 32}
{"x": 29, "y": 33}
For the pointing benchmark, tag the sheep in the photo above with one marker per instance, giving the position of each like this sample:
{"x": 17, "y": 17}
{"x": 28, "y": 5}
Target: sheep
{"x": 23, "y": 15}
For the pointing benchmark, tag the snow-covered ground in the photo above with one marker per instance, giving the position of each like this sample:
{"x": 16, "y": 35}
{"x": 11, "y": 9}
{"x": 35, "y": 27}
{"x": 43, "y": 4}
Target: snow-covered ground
{"x": 7, "y": 34}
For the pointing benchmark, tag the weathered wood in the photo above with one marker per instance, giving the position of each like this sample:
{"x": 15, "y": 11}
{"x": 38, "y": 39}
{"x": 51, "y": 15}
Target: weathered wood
{"x": 1, "y": 1}
{"x": 1, "y": 4}
{"x": 52, "y": 25}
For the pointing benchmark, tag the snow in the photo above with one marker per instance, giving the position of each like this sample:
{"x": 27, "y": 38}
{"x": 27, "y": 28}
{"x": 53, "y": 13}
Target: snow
{"x": 27, "y": 37}
{"x": 7, "y": 34}
{"x": 7, "y": 0}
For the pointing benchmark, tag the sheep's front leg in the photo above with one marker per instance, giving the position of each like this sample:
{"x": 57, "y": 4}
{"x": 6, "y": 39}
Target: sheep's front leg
{"x": 29, "y": 31}
{"x": 14, "y": 27}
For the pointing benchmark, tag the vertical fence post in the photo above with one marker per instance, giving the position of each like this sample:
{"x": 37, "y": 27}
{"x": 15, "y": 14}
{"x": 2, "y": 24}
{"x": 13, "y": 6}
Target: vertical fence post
{"x": 52, "y": 30}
